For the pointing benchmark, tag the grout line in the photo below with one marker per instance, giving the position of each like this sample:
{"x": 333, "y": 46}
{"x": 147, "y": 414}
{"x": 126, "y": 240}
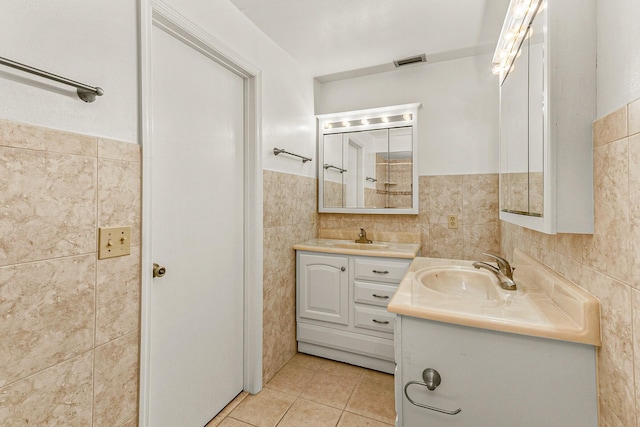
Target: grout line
{"x": 95, "y": 286}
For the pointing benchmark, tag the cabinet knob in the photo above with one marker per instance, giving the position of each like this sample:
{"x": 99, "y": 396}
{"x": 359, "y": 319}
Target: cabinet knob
{"x": 342, "y": 268}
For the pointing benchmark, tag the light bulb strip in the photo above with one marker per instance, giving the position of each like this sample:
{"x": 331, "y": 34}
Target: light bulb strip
{"x": 368, "y": 121}
{"x": 514, "y": 31}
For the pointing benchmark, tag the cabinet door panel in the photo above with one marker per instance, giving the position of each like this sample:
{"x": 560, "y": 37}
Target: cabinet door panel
{"x": 496, "y": 378}
{"x": 323, "y": 288}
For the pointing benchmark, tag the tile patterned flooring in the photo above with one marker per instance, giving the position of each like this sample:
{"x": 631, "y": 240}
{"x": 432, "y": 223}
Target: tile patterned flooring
{"x": 315, "y": 392}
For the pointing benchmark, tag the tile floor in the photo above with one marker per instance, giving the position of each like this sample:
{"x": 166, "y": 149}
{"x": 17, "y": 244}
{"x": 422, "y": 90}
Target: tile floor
{"x": 314, "y": 392}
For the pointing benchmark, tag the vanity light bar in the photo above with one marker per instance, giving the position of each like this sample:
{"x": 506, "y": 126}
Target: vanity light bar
{"x": 515, "y": 30}
{"x": 369, "y": 121}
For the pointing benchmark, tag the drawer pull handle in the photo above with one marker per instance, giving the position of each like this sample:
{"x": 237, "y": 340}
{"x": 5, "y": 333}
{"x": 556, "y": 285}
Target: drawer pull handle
{"x": 422, "y": 405}
{"x": 342, "y": 268}
{"x": 381, "y": 271}
{"x": 380, "y": 296}
{"x": 381, "y": 322}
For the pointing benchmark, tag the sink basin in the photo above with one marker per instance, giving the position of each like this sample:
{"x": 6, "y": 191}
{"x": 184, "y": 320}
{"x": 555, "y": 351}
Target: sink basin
{"x": 460, "y": 282}
{"x": 361, "y": 246}
{"x": 545, "y": 304}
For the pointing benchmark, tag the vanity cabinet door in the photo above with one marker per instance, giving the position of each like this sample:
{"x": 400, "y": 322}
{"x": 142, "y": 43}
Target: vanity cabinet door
{"x": 323, "y": 288}
{"x": 495, "y": 378}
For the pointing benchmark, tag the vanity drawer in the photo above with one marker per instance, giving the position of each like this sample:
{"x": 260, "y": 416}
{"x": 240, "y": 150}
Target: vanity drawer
{"x": 377, "y": 319}
{"x": 381, "y": 270}
{"x": 373, "y": 293}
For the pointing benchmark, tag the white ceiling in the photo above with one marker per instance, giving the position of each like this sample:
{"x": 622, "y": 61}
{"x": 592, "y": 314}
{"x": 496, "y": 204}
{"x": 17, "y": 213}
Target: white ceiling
{"x": 345, "y": 38}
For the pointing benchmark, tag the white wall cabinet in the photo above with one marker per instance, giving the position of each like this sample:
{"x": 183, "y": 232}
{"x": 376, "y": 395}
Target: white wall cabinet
{"x": 494, "y": 378}
{"x": 341, "y": 307}
{"x": 546, "y": 158}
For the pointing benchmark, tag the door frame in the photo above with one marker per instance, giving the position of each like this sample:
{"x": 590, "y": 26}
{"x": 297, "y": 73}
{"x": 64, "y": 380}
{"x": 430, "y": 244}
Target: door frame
{"x": 156, "y": 13}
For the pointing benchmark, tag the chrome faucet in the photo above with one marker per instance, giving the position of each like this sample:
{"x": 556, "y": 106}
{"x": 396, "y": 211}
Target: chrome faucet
{"x": 362, "y": 237}
{"x": 504, "y": 271}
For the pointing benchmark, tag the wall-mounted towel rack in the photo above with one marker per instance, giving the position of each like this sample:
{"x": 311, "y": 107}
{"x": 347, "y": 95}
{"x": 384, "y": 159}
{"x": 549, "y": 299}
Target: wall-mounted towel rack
{"x": 85, "y": 92}
{"x": 277, "y": 151}
{"x": 328, "y": 166}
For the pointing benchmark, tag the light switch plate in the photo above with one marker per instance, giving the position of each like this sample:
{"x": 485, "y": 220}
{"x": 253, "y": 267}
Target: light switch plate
{"x": 113, "y": 242}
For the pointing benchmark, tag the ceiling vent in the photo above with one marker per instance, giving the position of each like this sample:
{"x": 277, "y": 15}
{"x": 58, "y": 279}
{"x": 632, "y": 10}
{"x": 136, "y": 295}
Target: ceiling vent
{"x": 408, "y": 61}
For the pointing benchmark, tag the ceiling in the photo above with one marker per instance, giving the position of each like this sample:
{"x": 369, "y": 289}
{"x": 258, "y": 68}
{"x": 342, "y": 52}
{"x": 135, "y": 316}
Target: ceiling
{"x": 337, "y": 39}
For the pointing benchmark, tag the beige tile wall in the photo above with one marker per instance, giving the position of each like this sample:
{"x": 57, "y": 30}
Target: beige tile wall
{"x": 290, "y": 217}
{"x": 69, "y": 323}
{"x": 607, "y": 263}
{"x": 473, "y": 198}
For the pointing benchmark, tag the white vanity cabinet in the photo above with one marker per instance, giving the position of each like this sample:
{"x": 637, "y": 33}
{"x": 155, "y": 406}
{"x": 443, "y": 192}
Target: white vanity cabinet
{"x": 494, "y": 378}
{"x": 341, "y": 307}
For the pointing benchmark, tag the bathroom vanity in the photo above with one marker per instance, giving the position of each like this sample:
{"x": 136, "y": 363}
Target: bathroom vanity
{"x": 471, "y": 354}
{"x": 342, "y": 293}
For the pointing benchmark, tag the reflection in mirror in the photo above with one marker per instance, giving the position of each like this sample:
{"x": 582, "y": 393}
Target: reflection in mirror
{"x": 522, "y": 128}
{"x": 333, "y": 185}
{"x": 399, "y": 164}
{"x": 368, "y": 161}
{"x": 514, "y": 137}
{"x": 536, "y": 116}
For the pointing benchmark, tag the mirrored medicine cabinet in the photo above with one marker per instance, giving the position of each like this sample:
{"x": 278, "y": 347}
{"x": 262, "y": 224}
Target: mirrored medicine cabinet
{"x": 522, "y": 129}
{"x": 368, "y": 161}
{"x": 547, "y": 107}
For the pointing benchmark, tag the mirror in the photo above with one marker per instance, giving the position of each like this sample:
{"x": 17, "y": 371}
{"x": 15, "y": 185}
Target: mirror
{"x": 368, "y": 161}
{"x": 522, "y": 129}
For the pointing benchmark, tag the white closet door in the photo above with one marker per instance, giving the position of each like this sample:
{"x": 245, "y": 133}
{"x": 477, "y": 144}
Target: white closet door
{"x": 196, "y": 314}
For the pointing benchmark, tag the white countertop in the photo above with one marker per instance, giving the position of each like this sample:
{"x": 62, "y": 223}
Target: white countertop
{"x": 349, "y": 247}
{"x": 544, "y": 305}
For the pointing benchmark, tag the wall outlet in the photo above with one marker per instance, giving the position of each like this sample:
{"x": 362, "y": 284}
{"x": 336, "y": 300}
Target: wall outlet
{"x": 452, "y": 221}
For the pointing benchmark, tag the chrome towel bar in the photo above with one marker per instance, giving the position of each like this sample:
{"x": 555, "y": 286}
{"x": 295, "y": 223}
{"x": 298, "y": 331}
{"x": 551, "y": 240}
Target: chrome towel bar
{"x": 277, "y": 151}
{"x": 328, "y": 166}
{"x": 85, "y": 92}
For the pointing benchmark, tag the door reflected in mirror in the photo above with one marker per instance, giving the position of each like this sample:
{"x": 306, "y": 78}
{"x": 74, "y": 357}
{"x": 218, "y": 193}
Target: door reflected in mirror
{"x": 369, "y": 161}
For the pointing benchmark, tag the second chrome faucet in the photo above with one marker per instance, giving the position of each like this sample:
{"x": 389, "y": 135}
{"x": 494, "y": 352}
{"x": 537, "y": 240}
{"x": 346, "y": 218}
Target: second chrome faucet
{"x": 504, "y": 271}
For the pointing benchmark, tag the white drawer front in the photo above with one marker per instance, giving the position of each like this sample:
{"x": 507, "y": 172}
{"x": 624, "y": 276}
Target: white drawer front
{"x": 381, "y": 270}
{"x": 377, "y": 319}
{"x": 373, "y": 293}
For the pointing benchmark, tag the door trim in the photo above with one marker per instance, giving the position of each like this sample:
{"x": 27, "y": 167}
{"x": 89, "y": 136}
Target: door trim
{"x": 156, "y": 13}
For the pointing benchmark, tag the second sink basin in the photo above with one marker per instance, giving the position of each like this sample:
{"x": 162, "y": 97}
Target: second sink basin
{"x": 460, "y": 282}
